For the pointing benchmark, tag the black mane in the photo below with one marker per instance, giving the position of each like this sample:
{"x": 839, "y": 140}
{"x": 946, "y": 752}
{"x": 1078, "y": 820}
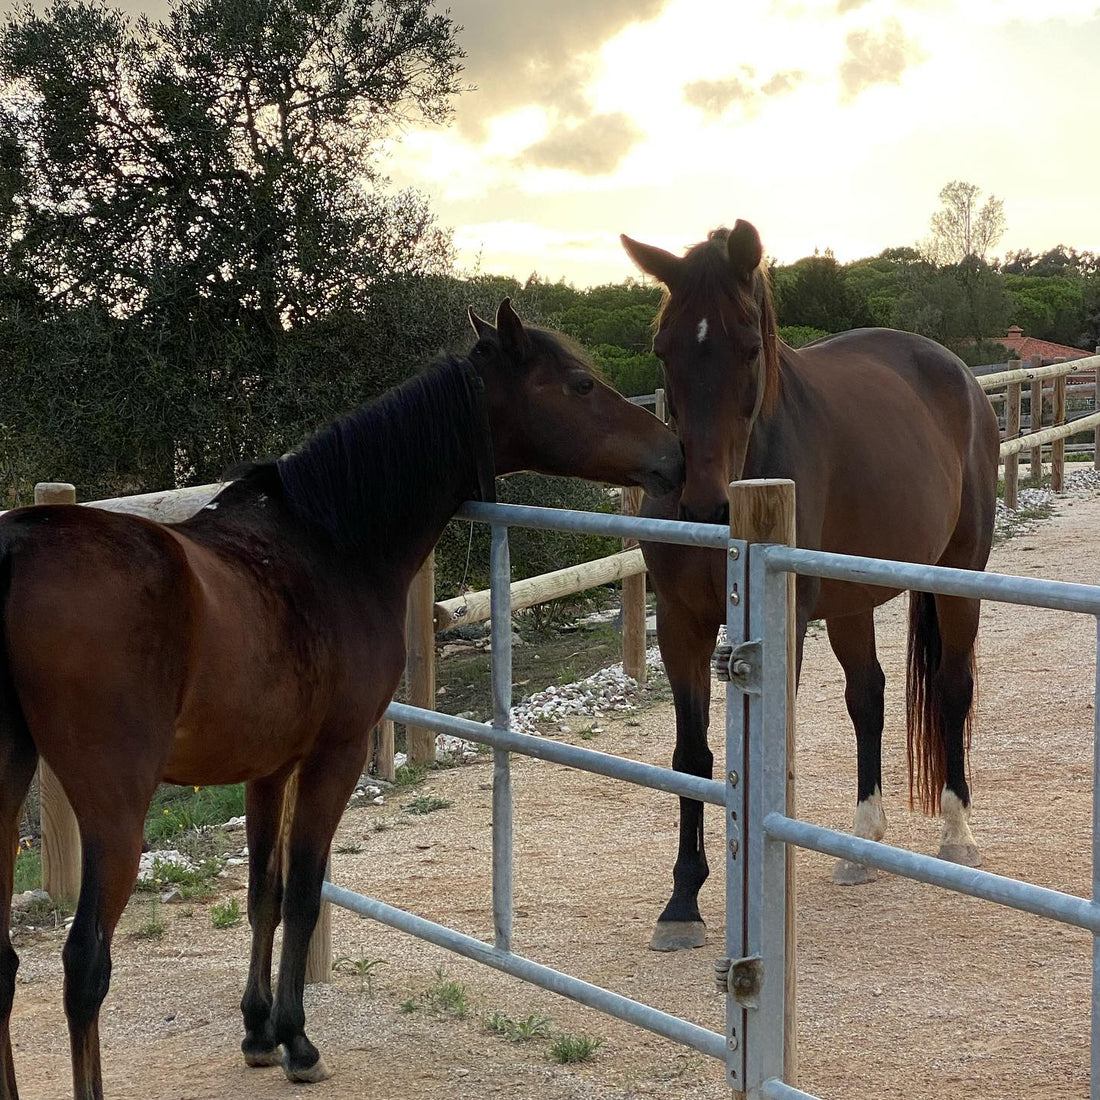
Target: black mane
{"x": 370, "y": 479}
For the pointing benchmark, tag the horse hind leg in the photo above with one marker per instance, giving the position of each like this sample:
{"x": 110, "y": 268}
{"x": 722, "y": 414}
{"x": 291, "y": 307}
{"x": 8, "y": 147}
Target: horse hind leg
{"x": 852, "y": 638}
{"x": 18, "y": 758}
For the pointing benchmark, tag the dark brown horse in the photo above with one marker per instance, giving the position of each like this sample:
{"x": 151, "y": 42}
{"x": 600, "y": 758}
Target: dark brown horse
{"x": 893, "y": 449}
{"x": 264, "y": 635}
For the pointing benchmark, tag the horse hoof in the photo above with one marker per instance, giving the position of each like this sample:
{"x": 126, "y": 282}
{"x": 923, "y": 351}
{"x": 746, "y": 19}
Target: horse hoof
{"x": 675, "y": 935}
{"x": 308, "y": 1076}
{"x": 259, "y": 1058}
{"x": 965, "y": 854}
{"x": 847, "y": 873}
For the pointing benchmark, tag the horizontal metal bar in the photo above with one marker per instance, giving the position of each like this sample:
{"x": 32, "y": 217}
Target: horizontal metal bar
{"x": 634, "y": 1012}
{"x": 643, "y": 528}
{"x": 1026, "y": 896}
{"x": 1033, "y": 591}
{"x": 588, "y": 760}
{"x": 644, "y": 399}
{"x": 780, "y": 1090}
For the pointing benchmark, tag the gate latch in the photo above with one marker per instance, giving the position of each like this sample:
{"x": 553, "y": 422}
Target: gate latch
{"x": 742, "y": 979}
{"x": 739, "y": 665}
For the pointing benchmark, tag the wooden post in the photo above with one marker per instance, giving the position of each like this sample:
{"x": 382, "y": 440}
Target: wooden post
{"x": 764, "y": 511}
{"x": 61, "y": 849}
{"x": 660, "y": 408}
{"x": 1012, "y": 430}
{"x": 1058, "y": 447}
{"x": 1036, "y": 467}
{"x": 420, "y": 662}
{"x": 633, "y": 602}
{"x": 1096, "y": 408}
{"x": 385, "y": 749}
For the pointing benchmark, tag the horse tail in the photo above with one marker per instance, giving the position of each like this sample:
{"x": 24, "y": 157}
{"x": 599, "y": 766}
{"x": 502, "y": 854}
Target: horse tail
{"x": 926, "y": 747}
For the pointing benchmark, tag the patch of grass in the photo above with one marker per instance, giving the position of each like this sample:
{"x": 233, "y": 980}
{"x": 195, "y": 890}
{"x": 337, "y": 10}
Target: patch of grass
{"x": 226, "y": 914}
{"x": 364, "y": 967}
{"x": 192, "y": 882}
{"x": 409, "y": 1005}
{"x": 153, "y": 928}
{"x": 426, "y": 804}
{"x": 352, "y": 849}
{"x": 567, "y": 1049}
{"x": 28, "y": 870}
{"x": 176, "y": 810}
{"x": 446, "y": 997}
{"x": 409, "y": 775}
{"x": 518, "y": 1031}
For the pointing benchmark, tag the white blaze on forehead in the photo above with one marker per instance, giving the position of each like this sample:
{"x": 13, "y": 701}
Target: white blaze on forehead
{"x": 701, "y": 332}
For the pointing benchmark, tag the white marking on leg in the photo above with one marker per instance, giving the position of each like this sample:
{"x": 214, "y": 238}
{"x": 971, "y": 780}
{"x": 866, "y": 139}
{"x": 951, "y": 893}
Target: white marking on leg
{"x": 956, "y": 820}
{"x": 701, "y": 332}
{"x": 870, "y": 821}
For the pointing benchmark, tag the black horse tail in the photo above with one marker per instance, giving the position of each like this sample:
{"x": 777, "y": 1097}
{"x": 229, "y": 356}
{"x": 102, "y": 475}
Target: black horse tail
{"x": 926, "y": 746}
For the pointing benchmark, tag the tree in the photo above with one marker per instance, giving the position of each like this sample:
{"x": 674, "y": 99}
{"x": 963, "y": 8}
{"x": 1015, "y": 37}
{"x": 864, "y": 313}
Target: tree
{"x": 226, "y": 155}
{"x": 814, "y": 292}
{"x": 960, "y": 230}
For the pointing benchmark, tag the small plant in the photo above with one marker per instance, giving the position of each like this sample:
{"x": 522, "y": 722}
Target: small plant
{"x": 447, "y": 997}
{"x": 426, "y": 804}
{"x": 364, "y": 967}
{"x": 409, "y": 1005}
{"x": 226, "y": 914}
{"x": 154, "y": 927}
{"x": 587, "y": 735}
{"x": 518, "y": 1031}
{"x": 409, "y": 775}
{"x": 192, "y": 882}
{"x": 352, "y": 849}
{"x": 382, "y": 824}
{"x": 28, "y": 868}
{"x": 574, "y": 1048}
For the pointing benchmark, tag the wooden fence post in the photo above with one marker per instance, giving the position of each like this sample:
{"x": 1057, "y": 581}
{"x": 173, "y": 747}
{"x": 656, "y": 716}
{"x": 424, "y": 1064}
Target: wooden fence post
{"x": 1096, "y": 408}
{"x": 1058, "y": 447}
{"x": 633, "y": 602}
{"x": 764, "y": 511}
{"x": 1036, "y": 415}
{"x": 420, "y": 662}
{"x": 1012, "y": 430}
{"x": 61, "y": 849}
{"x": 385, "y": 749}
{"x": 660, "y": 406}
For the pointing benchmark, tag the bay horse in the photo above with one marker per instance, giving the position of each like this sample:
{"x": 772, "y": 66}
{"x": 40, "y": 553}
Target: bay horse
{"x": 893, "y": 447}
{"x": 260, "y": 638}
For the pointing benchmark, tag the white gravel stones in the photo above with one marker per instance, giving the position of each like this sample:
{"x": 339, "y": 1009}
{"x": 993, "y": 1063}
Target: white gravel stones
{"x": 169, "y": 855}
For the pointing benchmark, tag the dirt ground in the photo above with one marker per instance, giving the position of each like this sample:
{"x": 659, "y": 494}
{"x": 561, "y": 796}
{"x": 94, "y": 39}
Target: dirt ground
{"x": 903, "y": 989}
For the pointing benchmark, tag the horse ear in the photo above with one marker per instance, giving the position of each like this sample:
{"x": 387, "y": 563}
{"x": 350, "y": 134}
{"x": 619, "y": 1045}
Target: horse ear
{"x": 481, "y": 326}
{"x": 744, "y": 250}
{"x": 513, "y": 337}
{"x": 653, "y": 261}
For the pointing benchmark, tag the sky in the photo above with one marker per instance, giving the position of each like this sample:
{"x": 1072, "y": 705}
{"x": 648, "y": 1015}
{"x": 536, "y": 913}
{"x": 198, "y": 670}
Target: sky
{"x": 829, "y": 124}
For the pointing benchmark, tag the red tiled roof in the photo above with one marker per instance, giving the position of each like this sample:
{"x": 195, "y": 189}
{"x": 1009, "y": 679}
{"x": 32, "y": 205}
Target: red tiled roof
{"x": 1028, "y": 347}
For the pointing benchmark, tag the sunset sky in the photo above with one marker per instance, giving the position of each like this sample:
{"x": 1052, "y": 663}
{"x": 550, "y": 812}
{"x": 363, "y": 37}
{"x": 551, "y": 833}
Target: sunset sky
{"x": 827, "y": 123}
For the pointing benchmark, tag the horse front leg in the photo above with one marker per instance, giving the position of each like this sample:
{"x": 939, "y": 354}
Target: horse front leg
{"x": 264, "y": 817}
{"x": 687, "y": 644}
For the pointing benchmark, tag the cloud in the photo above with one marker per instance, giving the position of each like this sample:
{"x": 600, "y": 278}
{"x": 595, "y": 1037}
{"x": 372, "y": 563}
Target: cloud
{"x": 535, "y": 53}
{"x": 845, "y": 6}
{"x": 592, "y": 147}
{"x": 876, "y": 58}
{"x": 715, "y": 97}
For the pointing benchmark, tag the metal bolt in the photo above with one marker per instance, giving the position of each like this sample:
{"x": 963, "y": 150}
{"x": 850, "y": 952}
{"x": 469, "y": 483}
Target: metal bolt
{"x": 732, "y": 1042}
{"x": 734, "y": 553}
{"x": 741, "y": 668}
{"x": 733, "y": 777}
{"x": 735, "y": 597}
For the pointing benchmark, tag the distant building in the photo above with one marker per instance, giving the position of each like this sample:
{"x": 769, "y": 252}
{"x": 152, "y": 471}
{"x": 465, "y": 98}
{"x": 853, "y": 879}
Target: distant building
{"x": 1028, "y": 347}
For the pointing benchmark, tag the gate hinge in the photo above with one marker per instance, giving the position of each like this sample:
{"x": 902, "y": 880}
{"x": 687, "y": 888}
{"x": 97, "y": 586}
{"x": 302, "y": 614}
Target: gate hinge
{"x": 739, "y": 665}
{"x": 742, "y": 979}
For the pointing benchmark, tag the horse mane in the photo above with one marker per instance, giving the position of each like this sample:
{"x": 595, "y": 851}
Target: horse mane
{"x": 366, "y": 478}
{"x": 704, "y": 274}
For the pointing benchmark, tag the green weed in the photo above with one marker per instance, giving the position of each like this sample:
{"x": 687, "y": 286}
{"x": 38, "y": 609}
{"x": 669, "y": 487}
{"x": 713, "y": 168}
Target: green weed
{"x": 574, "y": 1048}
{"x": 226, "y": 914}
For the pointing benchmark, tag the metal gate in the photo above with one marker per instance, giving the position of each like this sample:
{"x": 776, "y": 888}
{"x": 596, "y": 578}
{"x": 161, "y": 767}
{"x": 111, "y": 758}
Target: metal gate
{"x": 758, "y": 1034}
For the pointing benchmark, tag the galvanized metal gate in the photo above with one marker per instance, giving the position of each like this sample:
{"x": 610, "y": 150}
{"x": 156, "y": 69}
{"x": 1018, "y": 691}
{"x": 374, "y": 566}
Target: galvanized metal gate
{"x": 753, "y": 793}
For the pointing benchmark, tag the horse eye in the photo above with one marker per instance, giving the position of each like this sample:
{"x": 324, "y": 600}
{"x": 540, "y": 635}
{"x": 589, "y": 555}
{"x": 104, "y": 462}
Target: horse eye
{"x": 584, "y": 385}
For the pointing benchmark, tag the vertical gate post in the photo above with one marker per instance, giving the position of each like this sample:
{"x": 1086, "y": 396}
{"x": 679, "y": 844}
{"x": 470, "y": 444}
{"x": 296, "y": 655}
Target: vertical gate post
{"x": 61, "y": 849}
{"x": 500, "y": 573}
{"x": 1096, "y": 408}
{"x": 633, "y": 601}
{"x": 763, "y": 511}
{"x": 420, "y": 662}
{"x": 385, "y": 749}
{"x": 1058, "y": 447}
{"x": 1012, "y": 430}
{"x": 1036, "y": 467}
